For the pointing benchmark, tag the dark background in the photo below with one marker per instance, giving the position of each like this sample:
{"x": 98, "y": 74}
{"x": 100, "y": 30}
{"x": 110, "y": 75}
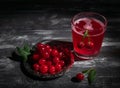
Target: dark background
{"x": 31, "y": 21}
{"x": 35, "y": 4}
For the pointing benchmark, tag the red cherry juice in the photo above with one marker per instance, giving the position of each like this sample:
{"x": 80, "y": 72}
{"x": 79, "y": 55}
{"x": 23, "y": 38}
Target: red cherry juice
{"x": 95, "y": 35}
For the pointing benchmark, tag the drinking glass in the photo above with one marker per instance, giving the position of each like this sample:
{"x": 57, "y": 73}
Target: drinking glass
{"x": 88, "y": 29}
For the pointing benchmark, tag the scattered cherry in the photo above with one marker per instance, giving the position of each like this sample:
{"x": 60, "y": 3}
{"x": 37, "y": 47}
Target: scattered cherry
{"x": 80, "y": 76}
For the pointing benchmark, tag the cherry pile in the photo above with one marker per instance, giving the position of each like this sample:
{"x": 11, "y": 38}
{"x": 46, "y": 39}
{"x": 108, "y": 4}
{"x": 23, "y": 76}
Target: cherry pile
{"x": 50, "y": 59}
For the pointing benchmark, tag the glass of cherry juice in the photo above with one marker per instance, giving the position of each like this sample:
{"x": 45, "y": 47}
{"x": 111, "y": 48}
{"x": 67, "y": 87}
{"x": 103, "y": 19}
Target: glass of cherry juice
{"x": 88, "y": 30}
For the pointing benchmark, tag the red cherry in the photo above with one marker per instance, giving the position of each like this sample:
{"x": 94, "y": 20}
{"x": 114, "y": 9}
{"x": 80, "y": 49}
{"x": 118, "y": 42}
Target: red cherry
{"x": 80, "y": 76}
{"x": 66, "y": 50}
{"x": 58, "y": 67}
{"x": 48, "y": 63}
{"x": 39, "y": 45}
{"x": 52, "y": 70}
{"x": 90, "y": 45}
{"x": 48, "y": 47}
{"x": 67, "y": 53}
{"x": 36, "y": 67}
{"x": 56, "y": 60}
{"x": 54, "y": 52}
{"x": 46, "y": 55}
{"x": 62, "y": 63}
{"x": 61, "y": 48}
{"x": 35, "y": 57}
{"x": 49, "y": 50}
{"x": 81, "y": 45}
{"x": 43, "y": 69}
{"x": 54, "y": 47}
{"x": 61, "y": 54}
{"x": 42, "y": 50}
{"x": 42, "y": 61}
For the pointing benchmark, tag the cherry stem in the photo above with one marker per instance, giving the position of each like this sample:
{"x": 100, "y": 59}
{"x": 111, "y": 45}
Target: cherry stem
{"x": 88, "y": 38}
{"x": 86, "y": 34}
{"x": 89, "y": 70}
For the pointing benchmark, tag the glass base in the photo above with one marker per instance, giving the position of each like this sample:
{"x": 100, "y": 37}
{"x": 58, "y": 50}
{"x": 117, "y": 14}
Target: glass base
{"x": 81, "y": 57}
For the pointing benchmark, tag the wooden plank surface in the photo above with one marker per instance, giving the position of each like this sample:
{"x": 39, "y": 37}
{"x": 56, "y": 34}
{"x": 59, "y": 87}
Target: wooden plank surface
{"x": 20, "y": 26}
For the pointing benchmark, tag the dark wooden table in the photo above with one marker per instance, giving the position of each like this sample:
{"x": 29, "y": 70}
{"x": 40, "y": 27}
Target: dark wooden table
{"x": 30, "y": 23}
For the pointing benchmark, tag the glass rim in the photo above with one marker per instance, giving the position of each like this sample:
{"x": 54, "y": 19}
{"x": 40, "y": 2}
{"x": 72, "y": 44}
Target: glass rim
{"x": 94, "y": 13}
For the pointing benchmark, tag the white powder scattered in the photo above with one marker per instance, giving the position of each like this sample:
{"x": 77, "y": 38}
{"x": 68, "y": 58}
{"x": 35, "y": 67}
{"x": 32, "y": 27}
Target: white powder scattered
{"x": 22, "y": 37}
{"x": 1, "y": 40}
{"x": 89, "y": 63}
{"x": 111, "y": 44}
{"x": 55, "y": 21}
{"x": 6, "y": 46}
{"x": 6, "y": 64}
{"x": 43, "y": 32}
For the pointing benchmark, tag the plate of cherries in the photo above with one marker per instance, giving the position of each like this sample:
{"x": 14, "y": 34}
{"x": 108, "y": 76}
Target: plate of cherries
{"x": 49, "y": 60}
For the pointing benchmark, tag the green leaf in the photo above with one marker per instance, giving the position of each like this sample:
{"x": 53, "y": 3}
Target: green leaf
{"x": 25, "y": 57}
{"x": 24, "y": 52}
{"x": 26, "y": 48}
{"x": 19, "y": 50}
{"x": 91, "y": 76}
